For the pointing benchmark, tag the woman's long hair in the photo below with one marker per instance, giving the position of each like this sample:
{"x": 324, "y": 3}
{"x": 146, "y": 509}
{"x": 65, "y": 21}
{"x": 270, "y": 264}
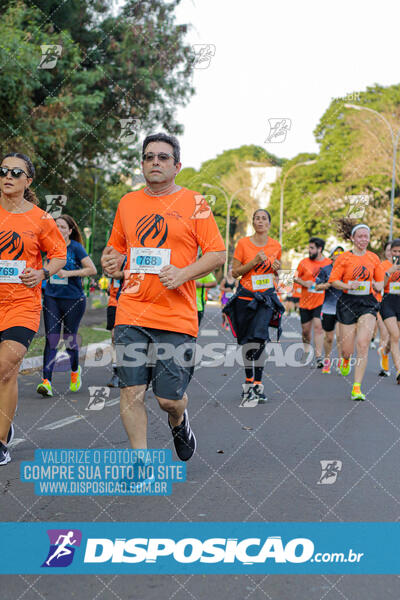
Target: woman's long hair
{"x": 345, "y": 226}
{"x": 28, "y": 193}
{"x": 75, "y": 231}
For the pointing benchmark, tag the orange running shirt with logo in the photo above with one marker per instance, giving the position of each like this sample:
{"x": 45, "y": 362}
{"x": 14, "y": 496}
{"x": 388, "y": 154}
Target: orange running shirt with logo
{"x": 307, "y": 271}
{"x": 351, "y": 267}
{"x": 23, "y": 236}
{"x": 179, "y": 223}
{"x": 245, "y": 251}
{"x": 394, "y": 277}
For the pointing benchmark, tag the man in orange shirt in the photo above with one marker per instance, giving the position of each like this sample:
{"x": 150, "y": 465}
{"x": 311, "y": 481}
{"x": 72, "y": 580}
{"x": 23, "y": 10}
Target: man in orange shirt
{"x": 311, "y": 300}
{"x": 159, "y": 229}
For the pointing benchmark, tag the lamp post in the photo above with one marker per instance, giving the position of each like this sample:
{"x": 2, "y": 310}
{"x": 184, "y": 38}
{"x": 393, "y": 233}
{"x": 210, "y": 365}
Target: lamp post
{"x": 300, "y": 164}
{"x": 88, "y": 232}
{"x": 395, "y": 142}
{"x": 229, "y": 202}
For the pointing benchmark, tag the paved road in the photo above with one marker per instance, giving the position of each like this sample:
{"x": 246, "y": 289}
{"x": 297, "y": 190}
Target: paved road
{"x": 254, "y": 464}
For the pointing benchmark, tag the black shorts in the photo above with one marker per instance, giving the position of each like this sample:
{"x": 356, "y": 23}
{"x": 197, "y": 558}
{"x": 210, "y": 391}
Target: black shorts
{"x": 111, "y": 310}
{"x": 293, "y": 299}
{"x": 390, "y": 306}
{"x": 23, "y": 335}
{"x": 307, "y": 315}
{"x": 328, "y": 321}
{"x": 350, "y": 308}
{"x": 166, "y": 358}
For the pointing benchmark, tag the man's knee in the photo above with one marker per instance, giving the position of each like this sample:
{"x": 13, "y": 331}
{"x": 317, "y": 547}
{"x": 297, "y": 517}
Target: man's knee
{"x": 167, "y": 404}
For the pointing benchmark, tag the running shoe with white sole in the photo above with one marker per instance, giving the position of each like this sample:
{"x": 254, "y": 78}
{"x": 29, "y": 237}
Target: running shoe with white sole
{"x": 356, "y": 393}
{"x": 45, "y": 388}
{"x": 76, "y": 381}
{"x": 184, "y": 438}
{"x": 248, "y": 398}
{"x": 258, "y": 391}
{"x": 327, "y": 366}
{"x": 4, "y": 454}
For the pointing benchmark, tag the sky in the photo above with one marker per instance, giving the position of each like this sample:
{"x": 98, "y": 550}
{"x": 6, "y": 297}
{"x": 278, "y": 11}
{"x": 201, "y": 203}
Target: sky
{"x": 285, "y": 59}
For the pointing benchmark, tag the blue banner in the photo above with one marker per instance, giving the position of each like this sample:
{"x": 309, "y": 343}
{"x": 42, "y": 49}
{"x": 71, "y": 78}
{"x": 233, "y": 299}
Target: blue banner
{"x": 172, "y": 548}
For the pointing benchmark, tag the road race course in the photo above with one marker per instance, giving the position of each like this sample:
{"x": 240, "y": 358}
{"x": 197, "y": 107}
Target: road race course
{"x": 252, "y": 464}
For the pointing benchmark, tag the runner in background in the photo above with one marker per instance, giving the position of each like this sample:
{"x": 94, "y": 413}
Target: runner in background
{"x": 227, "y": 288}
{"x": 387, "y": 257}
{"x": 64, "y": 304}
{"x": 202, "y": 286}
{"x": 104, "y": 282}
{"x": 256, "y": 260}
{"x": 356, "y": 272}
{"x": 328, "y": 314}
{"x": 390, "y": 307}
{"x": 311, "y": 299}
{"x": 115, "y": 286}
{"x": 26, "y": 231}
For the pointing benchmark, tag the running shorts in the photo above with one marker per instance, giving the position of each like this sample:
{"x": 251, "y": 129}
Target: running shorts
{"x": 307, "y": 314}
{"x": 350, "y": 308}
{"x": 165, "y": 358}
{"x": 328, "y": 321}
{"x": 23, "y": 335}
{"x": 390, "y": 306}
{"x": 111, "y": 310}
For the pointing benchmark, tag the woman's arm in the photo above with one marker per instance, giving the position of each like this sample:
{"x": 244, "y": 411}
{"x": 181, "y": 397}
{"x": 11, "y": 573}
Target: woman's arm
{"x": 88, "y": 268}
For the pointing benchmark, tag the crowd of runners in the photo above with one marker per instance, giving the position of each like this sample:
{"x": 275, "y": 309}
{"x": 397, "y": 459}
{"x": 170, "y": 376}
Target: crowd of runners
{"x": 163, "y": 249}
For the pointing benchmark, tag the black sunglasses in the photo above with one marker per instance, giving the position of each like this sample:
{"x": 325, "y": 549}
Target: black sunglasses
{"x": 16, "y": 172}
{"x": 163, "y": 156}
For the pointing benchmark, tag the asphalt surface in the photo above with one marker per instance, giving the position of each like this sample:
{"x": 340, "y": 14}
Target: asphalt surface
{"x": 252, "y": 464}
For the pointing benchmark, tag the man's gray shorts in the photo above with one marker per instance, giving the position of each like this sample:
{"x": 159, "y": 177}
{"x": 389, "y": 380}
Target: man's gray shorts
{"x": 164, "y": 358}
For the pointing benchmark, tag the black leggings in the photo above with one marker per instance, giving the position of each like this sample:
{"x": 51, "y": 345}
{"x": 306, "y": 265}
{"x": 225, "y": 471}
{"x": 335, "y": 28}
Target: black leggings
{"x": 251, "y": 353}
{"x": 58, "y": 311}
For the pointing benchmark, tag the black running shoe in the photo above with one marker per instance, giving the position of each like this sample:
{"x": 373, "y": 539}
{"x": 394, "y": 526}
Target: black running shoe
{"x": 319, "y": 362}
{"x": 4, "y": 454}
{"x": 10, "y": 436}
{"x": 184, "y": 439}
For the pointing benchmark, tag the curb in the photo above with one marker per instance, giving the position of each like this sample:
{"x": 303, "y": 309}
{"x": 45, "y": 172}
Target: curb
{"x": 91, "y": 351}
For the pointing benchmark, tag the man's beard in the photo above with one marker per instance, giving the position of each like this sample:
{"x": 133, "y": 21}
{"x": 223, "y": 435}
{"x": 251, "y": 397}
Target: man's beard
{"x": 313, "y": 255}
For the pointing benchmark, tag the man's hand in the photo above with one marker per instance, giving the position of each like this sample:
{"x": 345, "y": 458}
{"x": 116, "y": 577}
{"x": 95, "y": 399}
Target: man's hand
{"x": 171, "y": 277}
{"x": 308, "y": 284}
{"x": 31, "y": 277}
{"x": 111, "y": 260}
{"x": 276, "y": 265}
{"x": 259, "y": 257}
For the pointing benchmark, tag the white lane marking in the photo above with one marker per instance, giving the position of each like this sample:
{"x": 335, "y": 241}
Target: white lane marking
{"x": 208, "y": 332}
{"x": 292, "y": 335}
{"x": 62, "y": 422}
{"x": 15, "y": 442}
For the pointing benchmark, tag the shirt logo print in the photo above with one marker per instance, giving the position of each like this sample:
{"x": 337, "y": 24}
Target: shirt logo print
{"x": 152, "y": 225}
{"x": 11, "y": 245}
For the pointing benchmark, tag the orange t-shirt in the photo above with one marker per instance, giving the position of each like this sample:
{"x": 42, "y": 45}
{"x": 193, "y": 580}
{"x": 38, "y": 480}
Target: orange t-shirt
{"x": 245, "y": 251}
{"x": 394, "y": 277}
{"x": 350, "y": 267}
{"x": 113, "y": 291}
{"x": 307, "y": 271}
{"x": 179, "y": 223}
{"x": 23, "y": 237}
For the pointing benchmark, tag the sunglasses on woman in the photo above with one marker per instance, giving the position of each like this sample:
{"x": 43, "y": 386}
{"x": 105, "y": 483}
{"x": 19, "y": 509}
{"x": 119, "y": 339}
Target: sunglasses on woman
{"x": 16, "y": 172}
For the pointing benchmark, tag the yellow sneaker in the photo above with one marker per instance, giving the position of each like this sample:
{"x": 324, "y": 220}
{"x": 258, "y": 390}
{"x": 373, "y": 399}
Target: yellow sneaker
{"x": 44, "y": 388}
{"x": 356, "y": 393}
{"x": 76, "y": 381}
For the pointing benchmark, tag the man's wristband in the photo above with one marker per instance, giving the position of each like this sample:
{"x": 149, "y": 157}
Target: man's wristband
{"x": 46, "y": 274}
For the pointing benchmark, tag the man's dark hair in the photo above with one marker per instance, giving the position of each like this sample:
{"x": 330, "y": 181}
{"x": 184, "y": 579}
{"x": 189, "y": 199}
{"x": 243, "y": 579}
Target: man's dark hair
{"x": 168, "y": 139}
{"x": 319, "y": 242}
